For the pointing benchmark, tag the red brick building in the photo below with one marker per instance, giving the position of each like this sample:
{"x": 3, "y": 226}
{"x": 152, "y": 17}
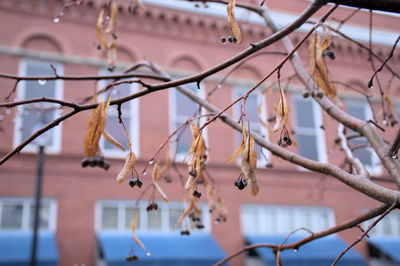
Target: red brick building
{"x": 86, "y": 214}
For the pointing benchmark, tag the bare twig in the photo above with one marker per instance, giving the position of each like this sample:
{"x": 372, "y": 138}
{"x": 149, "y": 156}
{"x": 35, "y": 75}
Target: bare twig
{"x": 365, "y": 232}
{"x": 346, "y": 225}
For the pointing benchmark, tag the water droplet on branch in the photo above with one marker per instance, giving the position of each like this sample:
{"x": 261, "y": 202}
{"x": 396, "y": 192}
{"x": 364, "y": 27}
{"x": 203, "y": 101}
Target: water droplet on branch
{"x": 42, "y": 81}
{"x": 56, "y": 20}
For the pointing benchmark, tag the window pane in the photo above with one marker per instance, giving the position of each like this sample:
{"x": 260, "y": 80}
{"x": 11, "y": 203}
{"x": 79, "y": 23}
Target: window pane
{"x": 122, "y": 91}
{"x": 307, "y": 146}
{"x": 129, "y": 215}
{"x": 38, "y": 114}
{"x": 109, "y": 218}
{"x": 184, "y": 105}
{"x": 154, "y": 220}
{"x": 304, "y": 113}
{"x": 117, "y": 132}
{"x": 11, "y": 216}
{"x": 174, "y": 214}
{"x": 44, "y": 216}
{"x": 185, "y": 139}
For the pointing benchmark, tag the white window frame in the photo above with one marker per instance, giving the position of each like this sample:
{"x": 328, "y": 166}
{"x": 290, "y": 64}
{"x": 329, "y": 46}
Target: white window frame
{"x": 318, "y": 132}
{"x": 55, "y": 148}
{"x": 174, "y": 120}
{"x": 133, "y": 116}
{"x": 121, "y": 206}
{"x": 263, "y": 212}
{"x": 26, "y": 204}
{"x": 375, "y": 169}
{"x": 238, "y": 92}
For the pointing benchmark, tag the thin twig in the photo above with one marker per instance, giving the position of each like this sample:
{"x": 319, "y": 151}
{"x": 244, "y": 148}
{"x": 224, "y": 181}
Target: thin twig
{"x": 365, "y": 232}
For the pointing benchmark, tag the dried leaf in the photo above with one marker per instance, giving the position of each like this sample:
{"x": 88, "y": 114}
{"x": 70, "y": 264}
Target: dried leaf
{"x": 242, "y": 145}
{"x": 112, "y": 140}
{"x": 232, "y": 21}
{"x": 190, "y": 182}
{"x": 186, "y": 213}
{"x": 139, "y": 4}
{"x": 210, "y": 196}
{"x": 113, "y": 19}
{"x": 99, "y": 28}
{"x": 111, "y": 52}
{"x": 167, "y": 163}
{"x": 130, "y": 160}
{"x": 282, "y": 112}
{"x": 317, "y": 65}
{"x": 156, "y": 177}
{"x": 95, "y": 128}
{"x": 133, "y": 228}
{"x": 248, "y": 166}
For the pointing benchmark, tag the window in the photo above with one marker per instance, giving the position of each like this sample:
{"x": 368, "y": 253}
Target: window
{"x": 130, "y": 116}
{"x": 281, "y": 220}
{"x": 183, "y": 108}
{"x": 117, "y": 216}
{"x": 388, "y": 226}
{"x": 18, "y": 214}
{"x": 34, "y": 116}
{"x": 253, "y": 102}
{"x": 309, "y": 135}
{"x": 367, "y": 156}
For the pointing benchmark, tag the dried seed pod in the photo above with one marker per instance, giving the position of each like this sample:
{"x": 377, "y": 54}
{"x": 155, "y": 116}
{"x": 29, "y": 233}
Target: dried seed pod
{"x": 248, "y": 165}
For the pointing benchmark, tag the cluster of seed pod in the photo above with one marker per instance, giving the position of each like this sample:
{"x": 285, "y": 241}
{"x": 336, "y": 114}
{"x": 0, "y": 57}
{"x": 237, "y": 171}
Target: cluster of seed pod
{"x": 196, "y": 220}
{"x": 151, "y": 206}
{"x": 135, "y": 182}
{"x": 220, "y": 219}
{"x": 240, "y": 183}
{"x": 231, "y": 39}
{"x": 96, "y": 161}
{"x": 185, "y": 232}
{"x": 132, "y": 258}
{"x": 196, "y": 193}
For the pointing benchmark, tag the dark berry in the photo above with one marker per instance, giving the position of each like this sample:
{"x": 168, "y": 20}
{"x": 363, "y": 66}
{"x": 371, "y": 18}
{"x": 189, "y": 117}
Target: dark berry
{"x": 234, "y": 40}
{"x": 223, "y": 39}
{"x": 114, "y": 36}
{"x": 185, "y": 232}
{"x": 199, "y": 226}
{"x": 244, "y": 182}
{"x": 285, "y": 139}
{"x": 132, "y": 258}
{"x": 289, "y": 142}
{"x": 237, "y": 183}
{"x": 167, "y": 179}
{"x": 139, "y": 183}
{"x": 86, "y": 162}
{"x": 320, "y": 94}
{"x": 132, "y": 182}
{"x": 279, "y": 142}
{"x": 98, "y": 47}
{"x": 196, "y": 193}
{"x": 230, "y": 38}
{"x": 306, "y": 94}
{"x": 155, "y": 206}
{"x": 331, "y": 55}
{"x": 193, "y": 172}
{"x": 241, "y": 185}
{"x": 149, "y": 207}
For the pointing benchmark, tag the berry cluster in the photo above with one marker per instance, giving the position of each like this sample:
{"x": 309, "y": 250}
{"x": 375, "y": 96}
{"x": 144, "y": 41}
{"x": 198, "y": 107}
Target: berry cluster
{"x": 132, "y": 258}
{"x": 96, "y": 161}
{"x": 151, "y": 206}
{"x": 240, "y": 183}
{"x": 196, "y": 220}
{"x": 231, "y": 39}
{"x": 135, "y": 182}
{"x": 285, "y": 141}
{"x": 196, "y": 193}
{"x": 185, "y": 232}
{"x": 220, "y": 219}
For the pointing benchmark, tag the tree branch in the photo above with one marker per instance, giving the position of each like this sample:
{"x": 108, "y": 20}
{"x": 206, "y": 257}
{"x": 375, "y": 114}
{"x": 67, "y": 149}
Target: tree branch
{"x": 346, "y": 225}
{"x": 382, "y": 5}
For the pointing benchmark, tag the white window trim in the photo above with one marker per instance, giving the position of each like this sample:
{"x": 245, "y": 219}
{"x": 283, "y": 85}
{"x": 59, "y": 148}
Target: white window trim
{"x": 133, "y": 130}
{"x": 174, "y": 120}
{"x": 238, "y": 92}
{"x": 55, "y": 148}
{"x": 375, "y": 169}
{"x": 319, "y": 132}
{"x": 162, "y": 206}
{"x": 262, "y": 211}
{"x": 27, "y": 203}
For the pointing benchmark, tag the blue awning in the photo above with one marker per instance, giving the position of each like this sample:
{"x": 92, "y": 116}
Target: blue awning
{"x": 390, "y": 246}
{"x": 166, "y": 249}
{"x": 318, "y": 252}
{"x": 15, "y": 249}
